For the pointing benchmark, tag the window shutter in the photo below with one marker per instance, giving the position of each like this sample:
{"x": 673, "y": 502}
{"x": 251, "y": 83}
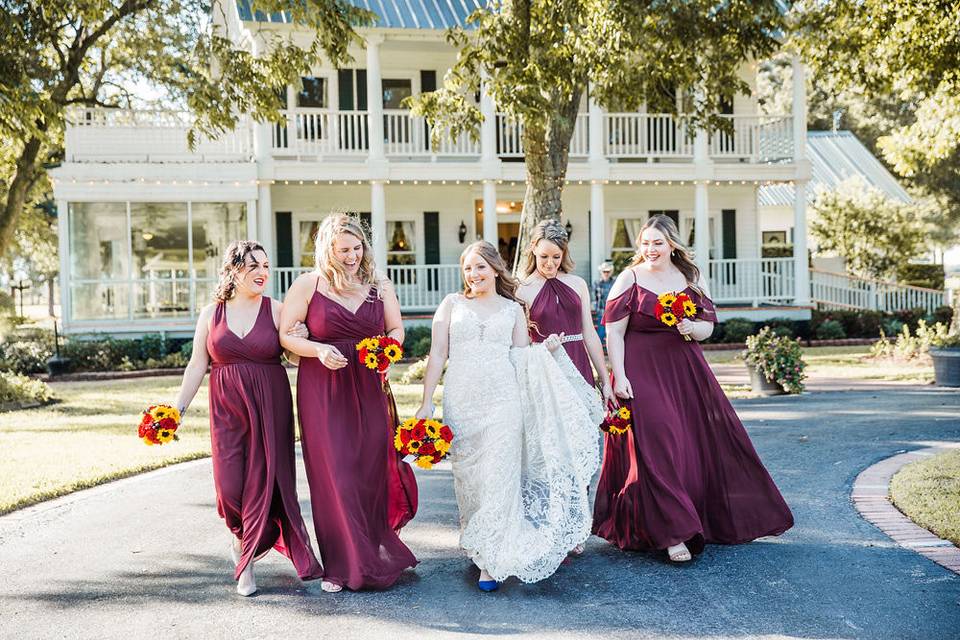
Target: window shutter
{"x": 284, "y": 235}
{"x": 345, "y": 89}
{"x": 729, "y": 233}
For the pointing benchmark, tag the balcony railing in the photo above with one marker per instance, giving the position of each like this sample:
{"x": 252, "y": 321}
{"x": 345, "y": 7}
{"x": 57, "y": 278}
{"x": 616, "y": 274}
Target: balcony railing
{"x": 156, "y": 136}
{"x": 752, "y": 281}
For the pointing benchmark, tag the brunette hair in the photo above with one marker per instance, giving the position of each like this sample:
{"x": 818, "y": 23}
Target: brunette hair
{"x": 680, "y": 255}
{"x": 329, "y": 267}
{"x": 551, "y": 231}
{"x": 234, "y": 259}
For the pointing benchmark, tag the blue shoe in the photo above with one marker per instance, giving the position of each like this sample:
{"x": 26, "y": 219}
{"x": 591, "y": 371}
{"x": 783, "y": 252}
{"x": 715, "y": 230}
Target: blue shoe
{"x": 488, "y": 585}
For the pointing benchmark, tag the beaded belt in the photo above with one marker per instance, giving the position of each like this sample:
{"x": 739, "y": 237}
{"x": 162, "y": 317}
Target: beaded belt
{"x": 571, "y": 338}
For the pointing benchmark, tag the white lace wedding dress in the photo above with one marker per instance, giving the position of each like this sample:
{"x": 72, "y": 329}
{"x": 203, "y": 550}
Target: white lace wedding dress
{"x": 525, "y": 445}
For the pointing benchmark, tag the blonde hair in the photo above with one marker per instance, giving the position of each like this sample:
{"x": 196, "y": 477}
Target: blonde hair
{"x": 329, "y": 267}
{"x": 234, "y": 259}
{"x": 551, "y": 231}
{"x": 680, "y": 255}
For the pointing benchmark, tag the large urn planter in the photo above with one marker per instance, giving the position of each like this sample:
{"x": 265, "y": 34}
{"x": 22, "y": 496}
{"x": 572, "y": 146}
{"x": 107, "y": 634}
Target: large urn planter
{"x": 946, "y": 366}
{"x": 760, "y": 385}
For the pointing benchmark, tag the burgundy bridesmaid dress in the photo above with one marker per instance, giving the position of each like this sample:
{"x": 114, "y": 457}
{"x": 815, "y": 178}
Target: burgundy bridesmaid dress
{"x": 359, "y": 490}
{"x": 556, "y": 309}
{"x": 686, "y": 471}
{"x": 251, "y": 432}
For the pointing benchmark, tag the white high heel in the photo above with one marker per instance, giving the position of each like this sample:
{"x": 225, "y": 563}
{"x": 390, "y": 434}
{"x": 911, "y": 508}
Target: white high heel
{"x": 247, "y": 585}
{"x": 331, "y": 587}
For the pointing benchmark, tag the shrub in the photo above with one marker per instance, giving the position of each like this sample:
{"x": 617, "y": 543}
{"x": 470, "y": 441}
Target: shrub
{"x": 782, "y": 327}
{"x": 416, "y": 341}
{"x": 777, "y": 358}
{"x": 911, "y": 317}
{"x": 830, "y": 330}
{"x": 414, "y": 372}
{"x": 737, "y": 329}
{"x": 891, "y": 326}
{"x": 910, "y": 345}
{"x": 929, "y": 276}
{"x": 186, "y": 350}
{"x": 943, "y": 315}
{"x": 23, "y": 354}
{"x": 15, "y": 387}
{"x": 153, "y": 346}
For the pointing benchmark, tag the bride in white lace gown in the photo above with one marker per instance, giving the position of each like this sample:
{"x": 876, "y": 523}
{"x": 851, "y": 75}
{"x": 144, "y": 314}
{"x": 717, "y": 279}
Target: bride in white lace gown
{"x": 524, "y": 420}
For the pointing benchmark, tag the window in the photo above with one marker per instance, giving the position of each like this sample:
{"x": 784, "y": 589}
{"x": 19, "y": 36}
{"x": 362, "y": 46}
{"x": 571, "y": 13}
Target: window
{"x": 215, "y": 225}
{"x": 99, "y": 261}
{"x": 308, "y": 238}
{"x": 394, "y": 91}
{"x": 313, "y": 93}
{"x": 400, "y": 243}
{"x": 159, "y": 252}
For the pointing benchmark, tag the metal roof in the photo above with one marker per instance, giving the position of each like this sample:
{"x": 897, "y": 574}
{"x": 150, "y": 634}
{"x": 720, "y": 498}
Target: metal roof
{"x": 393, "y": 14}
{"x": 835, "y": 156}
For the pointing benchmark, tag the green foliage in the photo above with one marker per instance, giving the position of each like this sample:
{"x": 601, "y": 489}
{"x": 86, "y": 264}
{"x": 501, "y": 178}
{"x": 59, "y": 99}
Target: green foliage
{"x": 737, "y": 330}
{"x": 911, "y": 345}
{"x": 416, "y": 341}
{"x": 779, "y": 359}
{"x": 782, "y": 327}
{"x": 830, "y": 330}
{"x": 18, "y": 388}
{"x": 7, "y": 305}
{"x": 875, "y": 235}
{"x": 930, "y": 276}
{"x": 943, "y": 314}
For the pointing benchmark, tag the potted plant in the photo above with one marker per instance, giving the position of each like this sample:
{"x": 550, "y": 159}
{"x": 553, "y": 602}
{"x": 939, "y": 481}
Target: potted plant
{"x": 775, "y": 363}
{"x": 945, "y": 352}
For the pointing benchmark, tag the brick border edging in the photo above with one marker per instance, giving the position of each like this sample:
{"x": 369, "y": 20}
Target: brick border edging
{"x": 870, "y": 491}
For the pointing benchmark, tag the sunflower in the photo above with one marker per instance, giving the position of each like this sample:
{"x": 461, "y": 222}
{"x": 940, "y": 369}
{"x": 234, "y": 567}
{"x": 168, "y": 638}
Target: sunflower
{"x": 442, "y": 446}
{"x": 668, "y": 318}
{"x": 165, "y": 435}
{"x": 398, "y": 442}
{"x": 432, "y": 428}
{"x": 667, "y": 299}
{"x": 370, "y": 362}
{"x": 624, "y": 413}
{"x": 413, "y": 446}
{"x": 426, "y": 462}
{"x": 367, "y": 343}
{"x": 408, "y": 424}
{"x": 617, "y": 431}
{"x": 689, "y": 308}
{"x": 393, "y": 352}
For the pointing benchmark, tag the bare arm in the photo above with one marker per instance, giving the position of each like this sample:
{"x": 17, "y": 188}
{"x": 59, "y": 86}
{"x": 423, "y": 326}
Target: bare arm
{"x": 392, "y": 320}
{"x": 615, "y": 333}
{"x": 439, "y": 348}
{"x": 299, "y": 329}
{"x": 295, "y": 310}
{"x": 199, "y": 361}
{"x": 592, "y": 341}
{"x": 697, "y": 329}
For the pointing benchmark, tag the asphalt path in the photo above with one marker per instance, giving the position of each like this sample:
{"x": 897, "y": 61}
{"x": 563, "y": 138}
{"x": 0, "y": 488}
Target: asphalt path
{"x": 147, "y": 557}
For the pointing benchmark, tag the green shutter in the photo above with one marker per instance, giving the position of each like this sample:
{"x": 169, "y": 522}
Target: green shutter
{"x": 345, "y": 89}
{"x": 284, "y": 235}
{"x": 729, "y": 233}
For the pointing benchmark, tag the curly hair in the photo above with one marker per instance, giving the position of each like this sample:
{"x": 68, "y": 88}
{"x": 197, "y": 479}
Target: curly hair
{"x": 234, "y": 259}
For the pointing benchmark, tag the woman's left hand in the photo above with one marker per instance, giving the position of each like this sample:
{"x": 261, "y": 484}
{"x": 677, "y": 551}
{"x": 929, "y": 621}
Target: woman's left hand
{"x": 299, "y": 330}
{"x": 609, "y": 399}
{"x": 685, "y": 327}
{"x": 552, "y": 342}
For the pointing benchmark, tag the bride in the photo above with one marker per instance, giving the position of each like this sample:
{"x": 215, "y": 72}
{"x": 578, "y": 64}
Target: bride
{"x": 524, "y": 420}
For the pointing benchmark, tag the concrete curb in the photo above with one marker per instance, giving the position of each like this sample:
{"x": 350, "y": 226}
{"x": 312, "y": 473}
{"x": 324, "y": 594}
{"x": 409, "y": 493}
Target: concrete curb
{"x": 870, "y": 491}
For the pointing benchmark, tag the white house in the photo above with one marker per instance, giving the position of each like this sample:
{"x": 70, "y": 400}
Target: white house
{"x": 146, "y": 219}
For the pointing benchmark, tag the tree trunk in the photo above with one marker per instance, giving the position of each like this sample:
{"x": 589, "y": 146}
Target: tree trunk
{"x": 25, "y": 174}
{"x": 546, "y": 151}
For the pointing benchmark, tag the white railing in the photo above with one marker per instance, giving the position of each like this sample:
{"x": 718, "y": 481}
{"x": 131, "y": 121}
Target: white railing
{"x": 752, "y": 280}
{"x": 646, "y": 135}
{"x": 321, "y": 132}
{"x": 580, "y": 142}
{"x": 420, "y": 287}
{"x": 509, "y": 136}
{"x": 754, "y": 138}
{"x": 831, "y": 290}
{"x": 148, "y": 136}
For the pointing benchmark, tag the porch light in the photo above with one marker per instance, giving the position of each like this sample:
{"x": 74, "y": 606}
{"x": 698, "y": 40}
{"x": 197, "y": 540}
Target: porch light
{"x": 462, "y": 231}
{"x": 569, "y": 228}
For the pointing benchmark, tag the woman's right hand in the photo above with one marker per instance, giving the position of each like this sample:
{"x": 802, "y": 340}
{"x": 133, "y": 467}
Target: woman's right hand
{"x": 330, "y": 357}
{"x": 622, "y": 388}
{"x": 425, "y": 412}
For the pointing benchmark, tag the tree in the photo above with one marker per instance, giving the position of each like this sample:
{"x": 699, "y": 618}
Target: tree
{"x": 539, "y": 55}
{"x": 60, "y": 53}
{"x": 875, "y": 235}
{"x": 905, "y": 54}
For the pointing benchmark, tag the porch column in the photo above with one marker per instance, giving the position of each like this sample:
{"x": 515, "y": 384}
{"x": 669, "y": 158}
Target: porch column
{"x": 801, "y": 267}
{"x": 375, "y": 98}
{"x": 252, "y": 218}
{"x": 799, "y": 110}
{"x": 264, "y": 228}
{"x": 701, "y": 239}
{"x": 488, "y": 128}
{"x": 596, "y": 131}
{"x": 378, "y": 222}
{"x": 63, "y": 243}
{"x": 490, "y": 233}
{"x": 598, "y": 245}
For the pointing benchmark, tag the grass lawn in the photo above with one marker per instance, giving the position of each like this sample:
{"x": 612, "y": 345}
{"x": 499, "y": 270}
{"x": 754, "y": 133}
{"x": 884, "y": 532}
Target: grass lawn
{"x": 928, "y": 492}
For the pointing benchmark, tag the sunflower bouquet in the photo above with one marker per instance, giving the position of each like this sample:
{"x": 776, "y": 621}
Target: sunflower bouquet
{"x": 672, "y": 307}
{"x": 616, "y": 422}
{"x": 427, "y": 440}
{"x": 378, "y": 353}
{"x": 159, "y": 424}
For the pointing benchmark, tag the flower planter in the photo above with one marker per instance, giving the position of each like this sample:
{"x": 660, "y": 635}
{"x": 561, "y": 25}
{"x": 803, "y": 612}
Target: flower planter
{"x": 760, "y": 384}
{"x": 946, "y": 366}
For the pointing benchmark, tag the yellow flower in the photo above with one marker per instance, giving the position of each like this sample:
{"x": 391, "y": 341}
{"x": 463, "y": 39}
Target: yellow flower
{"x": 370, "y": 361}
{"x": 393, "y": 352}
{"x": 409, "y": 424}
{"x": 668, "y": 318}
{"x": 617, "y": 431}
{"x": 148, "y": 441}
{"x": 624, "y": 413}
{"x": 667, "y": 299}
{"x": 432, "y": 428}
{"x": 689, "y": 308}
{"x": 426, "y": 462}
{"x": 164, "y": 435}
{"x": 442, "y": 446}
{"x": 413, "y": 446}
{"x": 397, "y": 442}
{"x": 368, "y": 343}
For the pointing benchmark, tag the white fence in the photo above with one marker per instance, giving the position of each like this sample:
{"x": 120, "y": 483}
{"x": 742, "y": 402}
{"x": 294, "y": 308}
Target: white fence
{"x": 842, "y": 291}
{"x": 752, "y": 281}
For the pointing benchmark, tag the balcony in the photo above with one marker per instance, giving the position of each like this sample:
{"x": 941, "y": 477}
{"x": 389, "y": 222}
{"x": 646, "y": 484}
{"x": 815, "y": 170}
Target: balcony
{"x": 104, "y": 135}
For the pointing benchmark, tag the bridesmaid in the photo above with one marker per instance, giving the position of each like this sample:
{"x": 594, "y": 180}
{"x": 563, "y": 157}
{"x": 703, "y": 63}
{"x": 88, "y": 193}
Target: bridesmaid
{"x": 686, "y": 473}
{"x": 346, "y": 424}
{"x": 559, "y": 302}
{"x": 251, "y": 417}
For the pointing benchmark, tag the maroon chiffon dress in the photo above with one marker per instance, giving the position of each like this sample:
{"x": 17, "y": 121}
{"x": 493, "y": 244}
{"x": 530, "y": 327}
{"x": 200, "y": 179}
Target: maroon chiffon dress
{"x": 557, "y": 309}
{"x": 686, "y": 471}
{"x": 360, "y": 492}
{"x": 251, "y": 432}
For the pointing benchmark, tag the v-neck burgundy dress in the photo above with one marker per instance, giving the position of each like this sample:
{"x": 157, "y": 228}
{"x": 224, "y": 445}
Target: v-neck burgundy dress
{"x": 251, "y": 432}
{"x": 557, "y": 309}
{"x": 686, "y": 471}
{"x": 357, "y": 483}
